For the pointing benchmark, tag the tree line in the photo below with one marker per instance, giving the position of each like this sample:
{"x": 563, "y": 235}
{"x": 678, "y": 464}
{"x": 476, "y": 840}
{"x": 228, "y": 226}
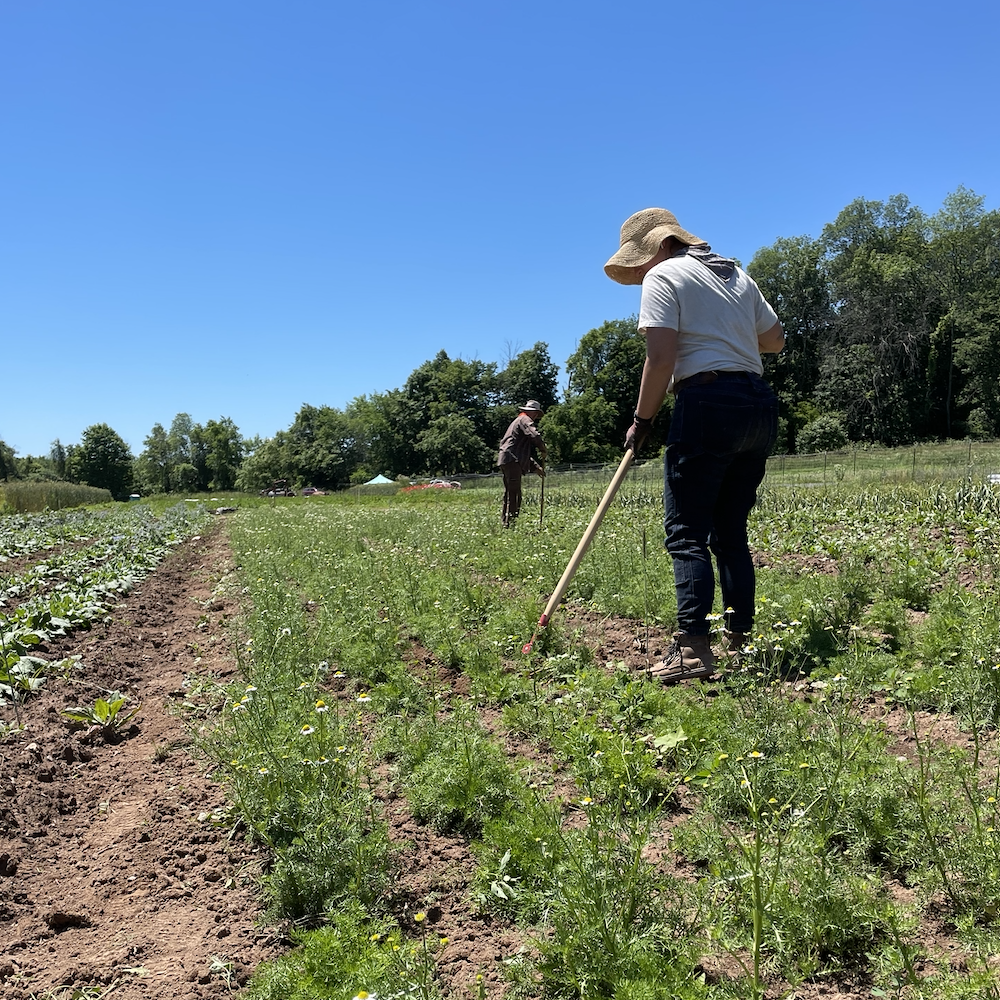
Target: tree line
{"x": 892, "y": 323}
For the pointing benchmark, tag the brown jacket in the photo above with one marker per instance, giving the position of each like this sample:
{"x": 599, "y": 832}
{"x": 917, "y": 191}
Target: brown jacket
{"x": 521, "y": 439}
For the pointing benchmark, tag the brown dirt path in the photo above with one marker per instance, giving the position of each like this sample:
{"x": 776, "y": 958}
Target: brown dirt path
{"x": 112, "y": 872}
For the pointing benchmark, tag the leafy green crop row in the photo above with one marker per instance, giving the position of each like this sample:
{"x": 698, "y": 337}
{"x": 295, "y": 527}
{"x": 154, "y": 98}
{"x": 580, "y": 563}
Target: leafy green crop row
{"x": 112, "y": 551}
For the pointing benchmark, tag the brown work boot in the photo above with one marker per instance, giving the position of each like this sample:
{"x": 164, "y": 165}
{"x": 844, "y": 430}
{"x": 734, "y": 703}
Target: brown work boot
{"x": 689, "y": 658}
{"x": 733, "y": 643}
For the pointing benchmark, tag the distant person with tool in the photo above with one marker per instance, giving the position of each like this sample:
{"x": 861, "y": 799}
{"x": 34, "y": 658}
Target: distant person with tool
{"x": 706, "y": 326}
{"x": 519, "y": 445}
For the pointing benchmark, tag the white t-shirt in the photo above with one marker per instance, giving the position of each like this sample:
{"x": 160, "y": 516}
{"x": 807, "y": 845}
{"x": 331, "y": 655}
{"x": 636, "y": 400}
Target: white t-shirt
{"x": 718, "y": 321}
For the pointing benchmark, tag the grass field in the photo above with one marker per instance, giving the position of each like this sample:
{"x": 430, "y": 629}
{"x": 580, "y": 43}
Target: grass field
{"x": 822, "y": 818}
{"x": 819, "y": 815}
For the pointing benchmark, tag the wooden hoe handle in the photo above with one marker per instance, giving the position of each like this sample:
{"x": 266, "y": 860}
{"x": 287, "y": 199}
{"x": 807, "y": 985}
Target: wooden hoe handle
{"x": 588, "y": 537}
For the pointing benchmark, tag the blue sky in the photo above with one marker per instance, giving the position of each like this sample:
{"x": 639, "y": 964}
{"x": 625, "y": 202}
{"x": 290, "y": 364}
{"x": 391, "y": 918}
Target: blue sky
{"x": 233, "y": 208}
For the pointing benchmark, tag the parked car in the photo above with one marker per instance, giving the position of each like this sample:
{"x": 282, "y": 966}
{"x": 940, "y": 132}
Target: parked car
{"x": 279, "y": 488}
{"x": 434, "y": 484}
{"x": 311, "y": 491}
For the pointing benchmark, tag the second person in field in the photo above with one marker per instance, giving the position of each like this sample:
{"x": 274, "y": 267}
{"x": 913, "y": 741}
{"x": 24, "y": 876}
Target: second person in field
{"x": 518, "y": 447}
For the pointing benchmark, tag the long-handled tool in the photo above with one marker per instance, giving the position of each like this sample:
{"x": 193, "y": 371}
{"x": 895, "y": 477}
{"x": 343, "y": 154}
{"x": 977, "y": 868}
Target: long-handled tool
{"x": 588, "y": 537}
{"x": 541, "y": 499}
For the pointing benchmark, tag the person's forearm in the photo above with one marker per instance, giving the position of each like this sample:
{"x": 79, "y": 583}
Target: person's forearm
{"x": 661, "y": 356}
{"x": 653, "y": 390}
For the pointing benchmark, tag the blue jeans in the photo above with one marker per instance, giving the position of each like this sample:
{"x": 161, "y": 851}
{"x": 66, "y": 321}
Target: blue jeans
{"x": 720, "y": 436}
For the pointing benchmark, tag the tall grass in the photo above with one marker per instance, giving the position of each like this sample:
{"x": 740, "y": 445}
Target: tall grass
{"x": 31, "y": 497}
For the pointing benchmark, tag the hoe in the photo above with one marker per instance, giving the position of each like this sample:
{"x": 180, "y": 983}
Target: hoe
{"x": 588, "y": 537}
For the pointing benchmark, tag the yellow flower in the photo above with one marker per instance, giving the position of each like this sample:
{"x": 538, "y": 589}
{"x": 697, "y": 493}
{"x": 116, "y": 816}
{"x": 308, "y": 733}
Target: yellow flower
{"x": 756, "y": 754}
{"x": 419, "y": 918}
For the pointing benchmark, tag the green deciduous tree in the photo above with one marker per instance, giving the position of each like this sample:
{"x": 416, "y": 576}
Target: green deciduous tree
{"x": 322, "y": 446}
{"x": 825, "y": 433}
{"x": 604, "y": 376}
{"x": 964, "y": 261}
{"x": 791, "y": 277}
{"x": 582, "y": 430}
{"x": 450, "y": 445}
{"x": 876, "y": 262}
{"x": 58, "y": 455}
{"x": 153, "y": 467}
{"x": 179, "y": 437}
{"x": 7, "y": 464}
{"x": 223, "y": 452}
{"x": 389, "y": 424}
{"x": 530, "y": 375}
{"x": 102, "y": 459}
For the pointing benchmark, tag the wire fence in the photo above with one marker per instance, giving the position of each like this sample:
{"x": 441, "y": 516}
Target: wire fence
{"x": 978, "y": 461}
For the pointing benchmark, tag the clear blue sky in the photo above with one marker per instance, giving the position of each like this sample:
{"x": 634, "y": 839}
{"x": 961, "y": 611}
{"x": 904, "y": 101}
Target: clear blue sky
{"x": 231, "y": 207}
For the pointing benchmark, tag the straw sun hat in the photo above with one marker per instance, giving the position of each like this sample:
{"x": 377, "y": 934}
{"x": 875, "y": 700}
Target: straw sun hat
{"x": 642, "y": 235}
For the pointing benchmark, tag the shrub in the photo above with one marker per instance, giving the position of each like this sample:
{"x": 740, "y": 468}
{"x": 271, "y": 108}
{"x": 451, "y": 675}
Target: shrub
{"x": 825, "y": 433}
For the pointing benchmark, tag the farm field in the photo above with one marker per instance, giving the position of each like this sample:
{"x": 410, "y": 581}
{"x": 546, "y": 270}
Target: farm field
{"x": 345, "y": 778}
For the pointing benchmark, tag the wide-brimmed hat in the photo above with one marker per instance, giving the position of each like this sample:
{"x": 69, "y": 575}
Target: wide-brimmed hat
{"x": 641, "y": 237}
{"x": 533, "y": 404}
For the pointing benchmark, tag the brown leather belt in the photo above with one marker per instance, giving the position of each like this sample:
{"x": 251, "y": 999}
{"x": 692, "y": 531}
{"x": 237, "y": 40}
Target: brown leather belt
{"x": 703, "y": 378}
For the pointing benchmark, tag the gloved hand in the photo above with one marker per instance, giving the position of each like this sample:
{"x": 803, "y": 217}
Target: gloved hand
{"x": 537, "y": 469}
{"x": 637, "y": 433}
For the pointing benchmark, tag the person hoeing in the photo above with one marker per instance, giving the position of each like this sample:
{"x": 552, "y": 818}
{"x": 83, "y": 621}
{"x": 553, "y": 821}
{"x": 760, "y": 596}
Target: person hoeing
{"x": 520, "y": 443}
{"x": 706, "y": 326}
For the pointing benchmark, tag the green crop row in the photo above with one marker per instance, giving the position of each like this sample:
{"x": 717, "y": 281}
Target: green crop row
{"x": 71, "y": 588}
